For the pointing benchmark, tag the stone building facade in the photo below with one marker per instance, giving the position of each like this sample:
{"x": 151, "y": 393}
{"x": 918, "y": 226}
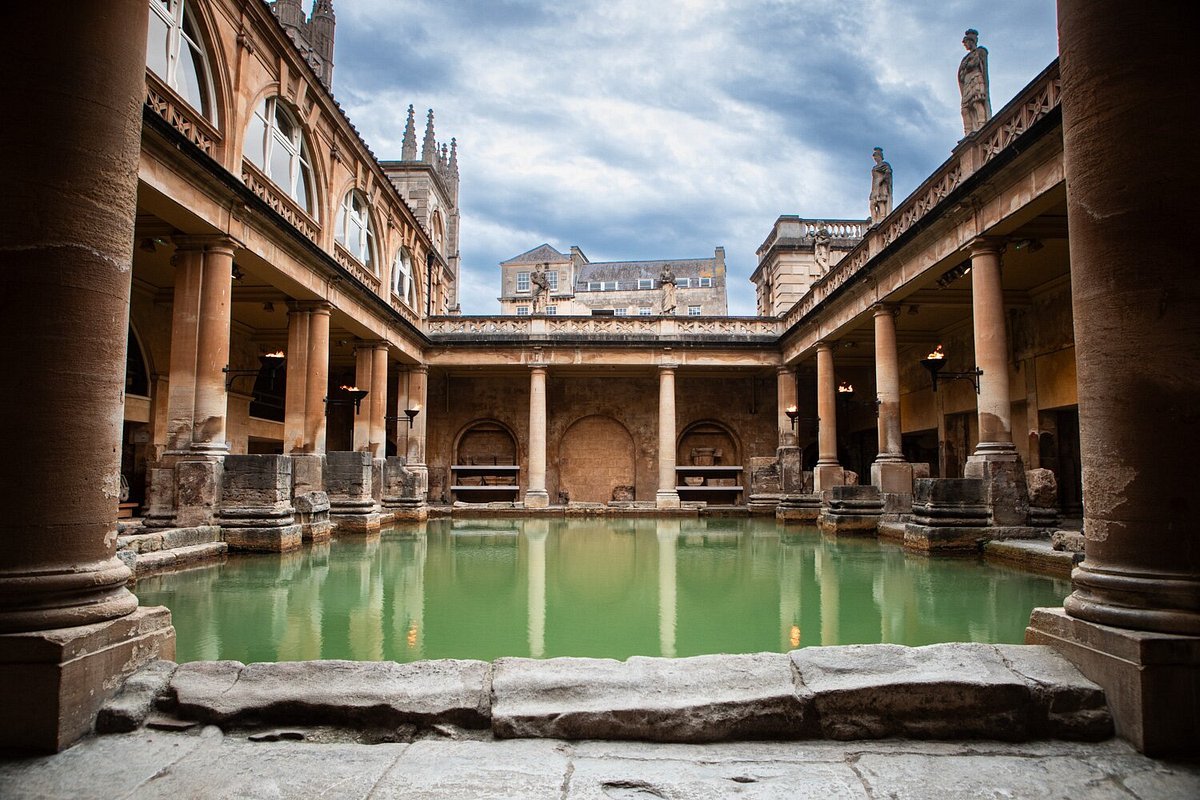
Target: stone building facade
{"x": 237, "y": 285}
{"x": 577, "y": 286}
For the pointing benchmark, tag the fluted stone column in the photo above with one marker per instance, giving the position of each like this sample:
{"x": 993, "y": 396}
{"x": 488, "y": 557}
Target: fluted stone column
{"x": 317, "y": 385}
{"x": 1133, "y": 622}
{"x": 212, "y": 351}
{"x": 890, "y": 471}
{"x": 828, "y": 472}
{"x": 71, "y": 631}
{"x": 535, "y": 487}
{"x": 378, "y": 397}
{"x": 668, "y": 495}
{"x": 297, "y": 377}
{"x": 995, "y": 459}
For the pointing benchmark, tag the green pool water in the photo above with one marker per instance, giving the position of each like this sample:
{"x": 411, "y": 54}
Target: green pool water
{"x": 601, "y": 588}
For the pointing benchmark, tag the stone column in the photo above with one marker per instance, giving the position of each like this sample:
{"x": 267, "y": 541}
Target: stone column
{"x": 185, "y": 310}
{"x": 364, "y": 362}
{"x": 536, "y": 532}
{"x": 828, "y": 472}
{"x": 785, "y": 383}
{"x": 667, "y": 531}
{"x": 1133, "y": 621}
{"x": 535, "y": 491}
{"x": 890, "y": 472}
{"x": 317, "y": 385}
{"x": 791, "y": 479}
{"x": 378, "y": 398}
{"x": 668, "y": 495}
{"x": 418, "y": 389}
{"x": 212, "y": 350}
{"x": 71, "y": 631}
{"x": 297, "y": 379}
{"x": 995, "y": 459}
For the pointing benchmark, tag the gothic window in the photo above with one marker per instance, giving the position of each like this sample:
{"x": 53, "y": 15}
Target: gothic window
{"x": 354, "y": 230}
{"x": 439, "y": 233}
{"x": 174, "y": 53}
{"x": 403, "y": 285}
{"x": 275, "y": 144}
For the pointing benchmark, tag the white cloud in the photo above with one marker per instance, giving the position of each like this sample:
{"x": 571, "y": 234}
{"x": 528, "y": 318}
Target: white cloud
{"x": 662, "y": 130}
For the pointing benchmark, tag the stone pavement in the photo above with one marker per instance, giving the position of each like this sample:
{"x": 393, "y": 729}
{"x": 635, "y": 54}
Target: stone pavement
{"x": 205, "y": 763}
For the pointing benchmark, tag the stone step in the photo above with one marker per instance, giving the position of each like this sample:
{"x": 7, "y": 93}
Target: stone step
{"x": 1033, "y": 555}
{"x": 150, "y": 541}
{"x": 176, "y": 558}
{"x": 951, "y": 691}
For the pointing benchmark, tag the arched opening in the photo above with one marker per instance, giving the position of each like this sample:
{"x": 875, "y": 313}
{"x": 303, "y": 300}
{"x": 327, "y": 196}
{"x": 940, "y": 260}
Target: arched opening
{"x": 276, "y": 144}
{"x": 354, "y": 229}
{"x": 485, "y": 464}
{"x": 707, "y": 443}
{"x": 175, "y": 53}
{"x": 596, "y": 461}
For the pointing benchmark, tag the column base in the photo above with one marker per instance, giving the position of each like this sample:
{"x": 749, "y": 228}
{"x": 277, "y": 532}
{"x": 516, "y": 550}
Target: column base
{"x": 55, "y": 681}
{"x": 537, "y": 498}
{"x": 668, "y": 499}
{"x": 1151, "y": 680}
{"x": 312, "y": 513}
{"x": 798, "y": 508}
{"x": 763, "y": 504}
{"x": 999, "y": 466}
{"x": 826, "y": 476}
{"x": 264, "y": 539}
{"x": 852, "y": 511}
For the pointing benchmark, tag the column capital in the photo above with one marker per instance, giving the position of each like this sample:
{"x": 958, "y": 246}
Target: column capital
{"x": 784, "y": 369}
{"x": 880, "y": 309}
{"x": 539, "y": 366}
{"x": 982, "y": 245}
{"x": 307, "y": 305}
{"x": 206, "y": 241}
{"x": 421, "y": 368}
{"x": 667, "y": 367}
{"x": 825, "y": 345}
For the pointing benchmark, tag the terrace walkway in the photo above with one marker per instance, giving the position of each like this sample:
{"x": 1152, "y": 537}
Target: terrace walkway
{"x": 204, "y": 763}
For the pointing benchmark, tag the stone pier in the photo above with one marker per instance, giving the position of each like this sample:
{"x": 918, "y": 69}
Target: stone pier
{"x": 352, "y": 508}
{"x": 256, "y": 504}
{"x": 851, "y": 511}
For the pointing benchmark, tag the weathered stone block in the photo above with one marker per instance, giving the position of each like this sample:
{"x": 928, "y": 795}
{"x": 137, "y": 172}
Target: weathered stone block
{"x": 1069, "y": 706}
{"x": 943, "y": 691}
{"x": 764, "y": 476}
{"x": 791, "y": 477}
{"x": 797, "y": 508}
{"x": 348, "y": 476}
{"x": 308, "y": 473}
{"x": 851, "y": 510}
{"x": 197, "y": 492}
{"x": 160, "y": 497}
{"x": 312, "y": 514}
{"x": 401, "y": 486}
{"x": 256, "y": 504}
{"x": 338, "y": 693}
{"x": 1070, "y": 541}
{"x": 128, "y": 709}
{"x": 1007, "y": 494}
{"x": 700, "y": 699}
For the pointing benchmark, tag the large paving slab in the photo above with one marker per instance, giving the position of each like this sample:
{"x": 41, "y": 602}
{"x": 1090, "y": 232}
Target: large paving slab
{"x": 700, "y": 699}
{"x": 342, "y": 693}
{"x": 441, "y": 769}
{"x": 948, "y": 691}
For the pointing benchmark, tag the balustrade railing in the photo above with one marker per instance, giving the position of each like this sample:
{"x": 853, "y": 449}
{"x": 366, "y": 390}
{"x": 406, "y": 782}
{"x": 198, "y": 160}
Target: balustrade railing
{"x": 269, "y": 193}
{"x": 180, "y": 116}
{"x": 603, "y": 326}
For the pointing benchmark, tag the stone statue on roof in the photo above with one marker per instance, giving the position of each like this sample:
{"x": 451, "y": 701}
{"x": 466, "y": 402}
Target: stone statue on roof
{"x": 973, "y": 83}
{"x": 881, "y": 187}
{"x": 821, "y": 242}
{"x": 667, "y": 279}
{"x": 541, "y": 285}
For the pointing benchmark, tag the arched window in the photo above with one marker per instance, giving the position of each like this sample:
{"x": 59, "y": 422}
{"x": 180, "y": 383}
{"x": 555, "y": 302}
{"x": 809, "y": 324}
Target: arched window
{"x": 439, "y": 233}
{"x": 354, "y": 230}
{"x": 174, "y": 53}
{"x": 403, "y": 285}
{"x": 275, "y": 144}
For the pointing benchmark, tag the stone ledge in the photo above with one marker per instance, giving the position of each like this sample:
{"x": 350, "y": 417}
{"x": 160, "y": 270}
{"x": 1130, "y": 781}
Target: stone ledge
{"x": 951, "y": 691}
{"x": 338, "y": 693}
{"x": 700, "y": 699}
{"x": 178, "y": 558}
{"x": 1033, "y": 556}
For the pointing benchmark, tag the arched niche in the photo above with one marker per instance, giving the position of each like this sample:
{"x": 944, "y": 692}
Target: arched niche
{"x": 708, "y": 435}
{"x": 596, "y": 457}
{"x": 484, "y": 442}
{"x": 137, "y": 370}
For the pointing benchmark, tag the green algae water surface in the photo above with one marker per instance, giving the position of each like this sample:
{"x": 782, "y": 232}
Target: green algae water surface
{"x": 602, "y": 588}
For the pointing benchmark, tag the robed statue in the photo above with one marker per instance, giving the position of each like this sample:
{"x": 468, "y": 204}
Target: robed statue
{"x": 667, "y": 279}
{"x": 973, "y": 83}
{"x": 881, "y": 187}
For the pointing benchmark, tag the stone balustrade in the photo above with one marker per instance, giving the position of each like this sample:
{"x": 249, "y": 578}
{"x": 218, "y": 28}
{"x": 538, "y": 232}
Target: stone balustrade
{"x": 355, "y": 267}
{"x": 754, "y": 329}
{"x": 284, "y": 206}
{"x": 180, "y": 115}
{"x": 1040, "y": 98}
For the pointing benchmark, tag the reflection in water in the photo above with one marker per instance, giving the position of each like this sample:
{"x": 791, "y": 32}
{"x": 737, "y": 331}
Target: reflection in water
{"x": 601, "y": 588}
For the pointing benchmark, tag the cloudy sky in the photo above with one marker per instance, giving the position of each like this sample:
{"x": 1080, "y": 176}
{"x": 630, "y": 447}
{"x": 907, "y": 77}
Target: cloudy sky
{"x": 641, "y": 129}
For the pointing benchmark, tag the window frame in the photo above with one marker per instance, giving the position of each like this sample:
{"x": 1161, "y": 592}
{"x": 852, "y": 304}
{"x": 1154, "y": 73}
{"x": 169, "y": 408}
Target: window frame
{"x": 300, "y": 171}
{"x": 620, "y": 312}
{"x": 683, "y": 283}
{"x": 353, "y": 202}
{"x": 645, "y": 283}
{"x": 645, "y": 311}
{"x": 177, "y": 17}
{"x": 522, "y": 311}
{"x": 522, "y": 283}
{"x": 693, "y": 311}
{"x": 402, "y": 268}
{"x": 552, "y": 280}
{"x": 551, "y": 311}
{"x": 706, "y": 283}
